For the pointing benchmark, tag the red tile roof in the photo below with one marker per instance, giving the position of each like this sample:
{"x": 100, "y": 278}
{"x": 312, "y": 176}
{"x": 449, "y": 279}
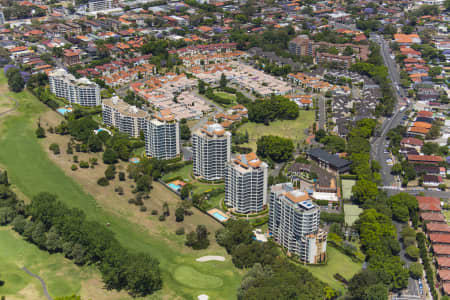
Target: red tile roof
{"x": 412, "y": 141}
{"x": 443, "y": 262}
{"x": 440, "y": 238}
{"x": 438, "y": 227}
{"x": 431, "y": 216}
{"x": 441, "y": 249}
{"x": 424, "y": 113}
{"x": 444, "y": 275}
{"x": 446, "y": 288}
{"x": 426, "y": 158}
{"x": 429, "y": 203}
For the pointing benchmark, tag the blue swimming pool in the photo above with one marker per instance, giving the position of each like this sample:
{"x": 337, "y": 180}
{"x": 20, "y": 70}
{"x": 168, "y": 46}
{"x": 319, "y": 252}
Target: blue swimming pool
{"x": 63, "y": 110}
{"x": 219, "y": 216}
{"x": 135, "y": 160}
{"x": 174, "y": 186}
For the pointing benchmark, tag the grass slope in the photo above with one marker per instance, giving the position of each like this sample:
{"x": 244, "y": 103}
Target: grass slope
{"x": 336, "y": 263}
{"x": 32, "y": 172}
{"x": 293, "y": 129}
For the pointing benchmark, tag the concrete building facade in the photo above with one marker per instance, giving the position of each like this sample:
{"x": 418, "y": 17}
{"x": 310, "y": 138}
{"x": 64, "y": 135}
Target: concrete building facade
{"x": 99, "y": 5}
{"x": 128, "y": 119}
{"x": 294, "y": 223}
{"x": 78, "y": 91}
{"x": 246, "y": 184}
{"x": 162, "y": 136}
{"x": 211, "y": 148}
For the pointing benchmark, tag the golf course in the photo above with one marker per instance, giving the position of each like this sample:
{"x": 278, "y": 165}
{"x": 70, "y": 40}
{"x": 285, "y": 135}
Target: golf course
{"x": 31, "y": 171}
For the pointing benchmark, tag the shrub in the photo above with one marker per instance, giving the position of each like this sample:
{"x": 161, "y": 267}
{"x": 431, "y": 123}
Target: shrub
{"x": 179, "y": 214}
{"x": 121, "y": 176}
{"x": 415, "y": 270}
{"x": 110, "y": 172}
{"x": 154, "y": 212}
{"x": 103, "y": 181}
{"x": 84, "y": 164}
{"x": 162, "y": 218}
{"x": 55, "y": 148}
{"x": 74, "y": 167}
{"x": 413, "y": 252}
{"x": 75, "y": 158}
{"x": 69, "y": 150}
{"x": 179, "y": 231}
{"x": 143, "y": 208}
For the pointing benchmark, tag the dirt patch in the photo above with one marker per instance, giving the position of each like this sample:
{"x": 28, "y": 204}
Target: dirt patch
{"x": 112, "y": 202}
{"x": 93, "y": 289}
{"x": 29, "y": 292}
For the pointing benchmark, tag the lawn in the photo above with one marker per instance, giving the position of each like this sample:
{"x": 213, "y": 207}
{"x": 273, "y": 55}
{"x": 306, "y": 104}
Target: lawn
{"x": 61, "y": 275}
{"x": 31, "y": 171}
{"x": 293, "y": 129}
{"x": 347, "y": 185}
{"x": 226, "y": 95}
{"x": 336, "y": 263}
{"x": 184, "y": 172}
{"x": 351, "y": 212}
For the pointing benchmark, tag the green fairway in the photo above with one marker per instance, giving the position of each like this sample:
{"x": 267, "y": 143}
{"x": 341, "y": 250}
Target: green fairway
{"x": 32, "y": 172}
{"x": 61, "y": 275}
{"x": 293, "y": 129}
{"x": 347, "y": 185}
{"x": 185, "y": 274}
{"x": 336, "y": 263}
{"x": 226, "y": 95}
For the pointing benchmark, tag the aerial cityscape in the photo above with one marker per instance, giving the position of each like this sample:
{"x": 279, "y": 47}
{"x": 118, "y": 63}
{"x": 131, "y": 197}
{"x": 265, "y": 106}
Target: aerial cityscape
{"x": 205, "y": 149}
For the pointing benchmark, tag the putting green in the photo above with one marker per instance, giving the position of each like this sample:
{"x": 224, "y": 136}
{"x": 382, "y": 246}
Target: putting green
{"x": 192, "y": 278}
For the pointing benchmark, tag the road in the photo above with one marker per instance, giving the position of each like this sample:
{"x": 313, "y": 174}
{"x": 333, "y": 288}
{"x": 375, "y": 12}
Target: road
{"x": 379, "y": 145}
{"x": 44, "y": 286}
{"x": 322, "y": 112}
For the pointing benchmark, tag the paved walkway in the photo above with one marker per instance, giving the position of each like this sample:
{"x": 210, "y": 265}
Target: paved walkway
{"x": 44, "y": 286}
{"x": 16, "y": 104}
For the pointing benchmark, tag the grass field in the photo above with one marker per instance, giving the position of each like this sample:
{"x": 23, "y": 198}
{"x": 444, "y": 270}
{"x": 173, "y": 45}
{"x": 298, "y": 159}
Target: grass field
{"x": 347, "y": 185}
{"x": 293, "y": 129}
{"x": 61, "y": 275}
{"x": 226, "y": 95}
{"x": 31, "y": 171}
{"x": 351, "y": 212}
{"x": 336, "y": 263}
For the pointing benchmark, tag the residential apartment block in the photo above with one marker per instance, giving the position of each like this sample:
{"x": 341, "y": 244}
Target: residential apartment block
{"x": 128, "y": 119}
{"x": 294, "y": 223}
{"x": 162, "y": 137}
{"x": 211, "y": 147}
{"x": 78, "y": 91}
{"x": 246, "y": 184}
{"x": 98, "y": 5}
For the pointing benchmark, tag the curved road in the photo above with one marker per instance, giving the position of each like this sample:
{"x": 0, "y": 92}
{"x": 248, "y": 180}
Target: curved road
{"x": 44, "y": 286}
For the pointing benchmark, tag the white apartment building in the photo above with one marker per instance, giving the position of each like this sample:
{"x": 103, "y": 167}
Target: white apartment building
{"x": 246, "y": 184}
{"x": 2, "y": 18}
{"x": 294, "y": 223}
{"x": 99, "y": 5}
{"x": 127, "y": 118}
{"x": 211, "y": 147}
{"x": 78, "y": 91}
{"x": 162, "y": 136}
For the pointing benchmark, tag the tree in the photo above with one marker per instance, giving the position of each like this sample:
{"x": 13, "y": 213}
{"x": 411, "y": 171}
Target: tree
{"x": 348, "y": 51}
{"x": 110, "y": 172}
{"x": 55, "y": 148}
{"x": 199, "y": 239}
{"x": 103, "y": 181}
{"x": 95, "y": 143}
{"x": 415, "y": 270}
{"x": 274, "y": 147}
{"x": 40, "y": 132}
{"x": 15, "y": 81}
{"x": 185, "y": 132}
{"x": 110, "y": 156}
{"x": 179, "y": 214}
{"x": 365, "y": 190}
{"x": 412, "y": 252}
{"x": 201, "y": 87}
{"x": 223, "y": 81}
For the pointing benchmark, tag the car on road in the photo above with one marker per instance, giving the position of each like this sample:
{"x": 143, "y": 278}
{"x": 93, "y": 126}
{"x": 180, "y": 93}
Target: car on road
{"x": 386, "y": 151}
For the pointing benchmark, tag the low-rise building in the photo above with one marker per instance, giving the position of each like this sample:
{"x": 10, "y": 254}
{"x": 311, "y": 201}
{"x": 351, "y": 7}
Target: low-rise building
{"x": 328, "y": 161}
{"x": 294, "y": 223}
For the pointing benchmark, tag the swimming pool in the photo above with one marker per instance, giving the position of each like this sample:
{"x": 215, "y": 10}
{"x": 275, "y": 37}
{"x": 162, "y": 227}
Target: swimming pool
{"x": 135, "y": 160}
{"x": 174, "y": 186}
{"x": 219, "y": 216}
{"x": 63, "y": 110}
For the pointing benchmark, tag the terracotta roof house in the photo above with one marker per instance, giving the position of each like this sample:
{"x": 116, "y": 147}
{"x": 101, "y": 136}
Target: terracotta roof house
{"x": 437, "y": 228}
{"x": 441, "y": 250}
{"x": 430, "y": 159}
{"x": 433, "y": 217}
{"x": 440, "y": 238}
{"x": 444, "y": 275}
{"x": 429, "y": 204}
{"x": 443, "y": 262}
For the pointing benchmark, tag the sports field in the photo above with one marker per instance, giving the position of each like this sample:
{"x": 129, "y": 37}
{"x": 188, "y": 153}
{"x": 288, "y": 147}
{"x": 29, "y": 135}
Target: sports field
{"x": 352, "y": 213}
{"x": 31, "y": 171}
{"x": 293, "y": 129}
{"x": 347, "y": 185}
